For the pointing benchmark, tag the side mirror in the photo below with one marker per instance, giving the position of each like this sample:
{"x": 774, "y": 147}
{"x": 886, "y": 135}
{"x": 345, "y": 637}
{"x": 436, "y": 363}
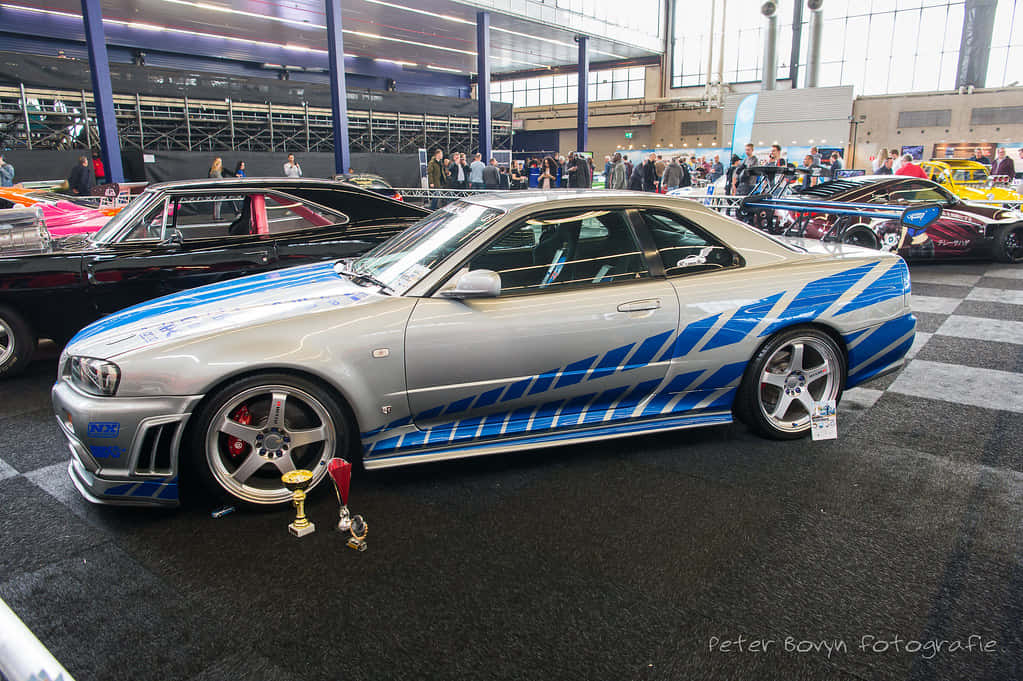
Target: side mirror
{"x": 475, "y": 284}
{"x": 172, "y": 239}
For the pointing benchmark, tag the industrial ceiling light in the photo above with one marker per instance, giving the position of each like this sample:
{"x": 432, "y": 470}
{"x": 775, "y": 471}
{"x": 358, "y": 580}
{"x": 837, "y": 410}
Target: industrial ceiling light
{"x": 442, "y": 68}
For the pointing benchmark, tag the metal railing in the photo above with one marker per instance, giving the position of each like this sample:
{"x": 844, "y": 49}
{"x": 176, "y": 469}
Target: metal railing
{"x": 40, "y": 118}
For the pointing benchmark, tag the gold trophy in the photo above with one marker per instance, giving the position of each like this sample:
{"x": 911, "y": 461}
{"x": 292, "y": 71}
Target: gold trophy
{"x": 359, "y": 530}
{"x": 298, "y": 481}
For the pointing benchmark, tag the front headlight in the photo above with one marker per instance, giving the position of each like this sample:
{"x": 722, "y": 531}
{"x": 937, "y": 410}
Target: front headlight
{"x": 94, "y": 376}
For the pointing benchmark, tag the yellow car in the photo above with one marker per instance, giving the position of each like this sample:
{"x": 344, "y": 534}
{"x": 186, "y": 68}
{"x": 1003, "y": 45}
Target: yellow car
{"x": 968, "y": 180}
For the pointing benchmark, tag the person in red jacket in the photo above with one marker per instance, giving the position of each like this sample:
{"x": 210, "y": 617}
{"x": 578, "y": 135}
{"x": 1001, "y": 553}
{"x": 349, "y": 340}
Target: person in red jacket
{"x": 909, "y": 168}
{"x": 97, "y": 168}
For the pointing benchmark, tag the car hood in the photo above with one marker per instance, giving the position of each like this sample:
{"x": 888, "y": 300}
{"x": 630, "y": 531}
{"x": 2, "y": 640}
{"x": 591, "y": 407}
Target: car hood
{"x": 272, "y": 297}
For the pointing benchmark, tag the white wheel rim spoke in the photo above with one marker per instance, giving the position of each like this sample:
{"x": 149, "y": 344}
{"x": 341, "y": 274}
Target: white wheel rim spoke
{"x": 270, "y": 443}
{"x": 786, "y": 399}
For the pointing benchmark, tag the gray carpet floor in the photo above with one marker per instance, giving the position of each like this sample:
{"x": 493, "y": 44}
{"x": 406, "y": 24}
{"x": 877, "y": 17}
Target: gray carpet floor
{"x": 895, "y": 552}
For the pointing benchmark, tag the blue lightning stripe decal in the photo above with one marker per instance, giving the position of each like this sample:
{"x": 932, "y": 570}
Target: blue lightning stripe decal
{"x": 690, "y": 336}
{"x": 742, "y": 323}
{"x": 816, "y": 297}
{"x": 891, "y": 284}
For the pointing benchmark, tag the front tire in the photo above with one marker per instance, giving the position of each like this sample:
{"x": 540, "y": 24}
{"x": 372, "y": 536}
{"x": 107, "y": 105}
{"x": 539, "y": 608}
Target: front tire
{"x": 790, "y": 372}
{"x": 17, "y": 342}
{"x": 1009, "y": 244}
{"x": 255, "y": 429}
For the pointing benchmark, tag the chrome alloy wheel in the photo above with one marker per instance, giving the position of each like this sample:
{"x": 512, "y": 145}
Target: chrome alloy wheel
{"x": 263, "y": 432}
{"x": 6, "y": 341}
{"x": 802, "y": 371}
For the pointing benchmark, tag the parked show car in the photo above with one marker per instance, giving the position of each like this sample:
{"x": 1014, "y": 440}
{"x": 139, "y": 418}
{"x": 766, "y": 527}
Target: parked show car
{"x": 64, "y": 215}
{"x": 970, "y": 180}
{"x": 372, "y": 182}
{"x": 845, "y": 210}
{"x": 498, "y": 323}
{"x": 179, "y": 235}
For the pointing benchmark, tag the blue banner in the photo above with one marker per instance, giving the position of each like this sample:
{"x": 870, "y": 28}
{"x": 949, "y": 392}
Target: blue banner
{"x": 742, "y": 131}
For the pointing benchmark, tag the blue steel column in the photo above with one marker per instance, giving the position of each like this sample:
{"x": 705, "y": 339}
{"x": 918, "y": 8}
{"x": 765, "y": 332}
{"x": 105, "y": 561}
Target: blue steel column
{"x": 483, "y": 82}
{"x": 338, "y": 91}
{"x": 583, "y": 111}
{"x": 102, "y": 90}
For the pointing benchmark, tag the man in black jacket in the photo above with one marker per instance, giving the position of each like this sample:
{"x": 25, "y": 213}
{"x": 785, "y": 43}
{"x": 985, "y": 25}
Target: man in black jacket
{"x": 80, "y": 180}
{"x": 649, "y": 170}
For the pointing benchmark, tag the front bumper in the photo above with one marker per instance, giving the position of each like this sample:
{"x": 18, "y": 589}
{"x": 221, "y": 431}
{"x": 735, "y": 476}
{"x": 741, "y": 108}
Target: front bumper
{"x": 124, "y": 450}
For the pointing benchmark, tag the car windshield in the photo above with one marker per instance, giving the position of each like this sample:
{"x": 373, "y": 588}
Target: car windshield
{"x": 53, "y": 197}
{"x": 971, "y": 177}
{"x": 405, "y": 259}
{"x": 126, "y": 215}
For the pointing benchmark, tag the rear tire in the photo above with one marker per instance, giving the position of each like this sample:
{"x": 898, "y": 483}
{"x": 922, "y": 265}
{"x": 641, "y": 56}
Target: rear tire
{"x": 17, "y": 342}
{"x": 254, "y": 429}
{"x": 791, "y": 371}
{"x": 1009, "y": 244}
{"x": 861, "y": 235}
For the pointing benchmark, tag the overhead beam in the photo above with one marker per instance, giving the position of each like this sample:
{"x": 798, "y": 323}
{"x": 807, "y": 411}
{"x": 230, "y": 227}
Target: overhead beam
{"x": 102, "y": 90}
{"x": 483, "y": 83}
{"x": 338, "y": 91}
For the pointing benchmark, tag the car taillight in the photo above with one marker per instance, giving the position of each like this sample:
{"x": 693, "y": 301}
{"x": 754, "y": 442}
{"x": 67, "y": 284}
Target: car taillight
{"x": 398, "y": 197}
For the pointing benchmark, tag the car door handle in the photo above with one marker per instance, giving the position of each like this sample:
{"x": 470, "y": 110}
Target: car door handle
{"x": 640, "y": 305}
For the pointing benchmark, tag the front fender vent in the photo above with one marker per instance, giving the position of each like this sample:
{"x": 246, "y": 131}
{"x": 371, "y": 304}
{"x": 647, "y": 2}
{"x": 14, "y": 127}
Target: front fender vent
{"x": 155, "y": 456}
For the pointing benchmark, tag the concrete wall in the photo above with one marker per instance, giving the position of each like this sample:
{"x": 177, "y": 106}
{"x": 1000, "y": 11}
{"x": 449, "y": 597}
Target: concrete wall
{"x": 879, "y": 117}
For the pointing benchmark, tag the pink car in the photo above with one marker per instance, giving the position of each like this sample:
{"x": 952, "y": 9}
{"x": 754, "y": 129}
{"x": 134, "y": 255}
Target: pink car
{"x": 63, "y": 214}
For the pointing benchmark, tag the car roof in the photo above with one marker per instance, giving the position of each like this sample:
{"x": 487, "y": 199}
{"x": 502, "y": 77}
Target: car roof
{"x": 840, "y": 186}
{"x": 958, "y": 163}
{"x": 514, "y": 200}
{"x": 276, "y": 182}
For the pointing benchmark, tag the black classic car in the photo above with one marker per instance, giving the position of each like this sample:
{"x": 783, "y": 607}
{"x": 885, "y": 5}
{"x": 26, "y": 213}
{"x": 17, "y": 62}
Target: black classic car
{"x": 179, "y": 235}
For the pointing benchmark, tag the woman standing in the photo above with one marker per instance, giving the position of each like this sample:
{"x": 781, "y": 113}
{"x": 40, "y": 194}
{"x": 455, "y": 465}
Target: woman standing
{"x": 548, "y": 173}
{"x": 239, "y": 170}
{"x": 217, "y": 173}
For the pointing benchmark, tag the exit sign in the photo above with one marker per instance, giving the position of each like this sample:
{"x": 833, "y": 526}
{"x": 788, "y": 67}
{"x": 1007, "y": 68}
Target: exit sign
{"x": 628, "y": 135}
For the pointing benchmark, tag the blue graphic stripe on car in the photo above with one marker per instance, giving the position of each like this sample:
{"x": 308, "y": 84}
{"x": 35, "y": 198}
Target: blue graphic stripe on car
{"x": 701, "y": 418}
{"x": 212, "y": 293}
{"x": 742, "y": 323}
{"x": 816, "y": 297}
{"x": 689, "y": 337}
{"x": 891, "y": 284}
{"x": 611, "y": 361}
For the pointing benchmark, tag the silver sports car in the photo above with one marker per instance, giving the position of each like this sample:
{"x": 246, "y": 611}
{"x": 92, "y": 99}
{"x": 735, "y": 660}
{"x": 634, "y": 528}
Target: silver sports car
{"x": 498, "y": 323}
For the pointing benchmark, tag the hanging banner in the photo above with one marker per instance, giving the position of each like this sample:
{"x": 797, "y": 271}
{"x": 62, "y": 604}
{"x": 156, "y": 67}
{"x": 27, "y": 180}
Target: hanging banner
{"x": 742, "y": 131}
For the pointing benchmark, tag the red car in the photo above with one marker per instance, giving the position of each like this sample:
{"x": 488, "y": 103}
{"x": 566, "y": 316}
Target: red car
{"x": 962, "y": 229}
{"x": 63, "y": 214}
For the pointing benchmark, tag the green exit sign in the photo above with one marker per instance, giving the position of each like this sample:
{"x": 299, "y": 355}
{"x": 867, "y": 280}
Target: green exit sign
{"x": 628, "y": 135}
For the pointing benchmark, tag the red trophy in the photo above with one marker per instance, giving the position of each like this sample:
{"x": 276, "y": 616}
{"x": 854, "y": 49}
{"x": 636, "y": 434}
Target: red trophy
{"x": 341, "y": 473}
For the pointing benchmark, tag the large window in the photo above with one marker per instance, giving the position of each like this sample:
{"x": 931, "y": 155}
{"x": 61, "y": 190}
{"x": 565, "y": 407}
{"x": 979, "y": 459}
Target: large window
{"x": 877, "y": 46}
{"x": 640, "y": 15}
{"x": 627, "y": 83}
{"x": 1005, "y": 65}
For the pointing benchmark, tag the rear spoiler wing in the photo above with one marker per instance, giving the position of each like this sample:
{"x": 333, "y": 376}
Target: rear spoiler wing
{"x": 920, "y": 215}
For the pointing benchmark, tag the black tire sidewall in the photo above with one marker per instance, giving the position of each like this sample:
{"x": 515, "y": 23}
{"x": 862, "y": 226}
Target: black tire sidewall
{"x": 1001, "y": 248}
{"x": 198, "y": 467}
{"x": 875, "y": 242}
{"x": 747, "y": 405}
{"x": 24, "y": 342}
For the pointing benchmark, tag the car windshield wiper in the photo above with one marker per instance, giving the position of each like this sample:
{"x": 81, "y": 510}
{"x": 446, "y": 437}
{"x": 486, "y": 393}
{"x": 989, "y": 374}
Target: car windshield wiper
{"x": 343, "y": 269}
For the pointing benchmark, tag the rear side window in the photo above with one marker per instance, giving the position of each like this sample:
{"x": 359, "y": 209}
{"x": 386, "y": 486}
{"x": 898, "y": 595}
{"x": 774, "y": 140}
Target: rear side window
{"x": 684, "y": 248}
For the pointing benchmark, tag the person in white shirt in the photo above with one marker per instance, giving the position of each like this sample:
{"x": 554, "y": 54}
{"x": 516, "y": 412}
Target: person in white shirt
{"x": 292, "y": 169}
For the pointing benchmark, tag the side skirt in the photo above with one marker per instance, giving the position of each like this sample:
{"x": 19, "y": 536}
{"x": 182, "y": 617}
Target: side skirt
{"x": 553, "y": 439}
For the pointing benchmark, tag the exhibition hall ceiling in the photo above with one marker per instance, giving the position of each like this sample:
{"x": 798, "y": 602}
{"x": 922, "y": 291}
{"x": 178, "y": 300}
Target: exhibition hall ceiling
{"x": 436, "y": 34}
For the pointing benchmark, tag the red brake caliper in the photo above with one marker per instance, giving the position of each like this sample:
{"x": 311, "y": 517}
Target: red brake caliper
{"x": 236, "y": 447}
